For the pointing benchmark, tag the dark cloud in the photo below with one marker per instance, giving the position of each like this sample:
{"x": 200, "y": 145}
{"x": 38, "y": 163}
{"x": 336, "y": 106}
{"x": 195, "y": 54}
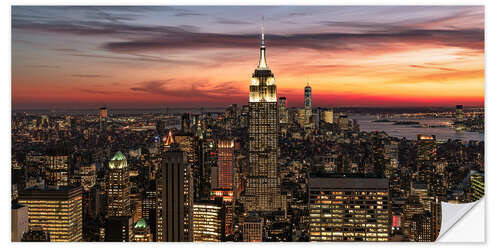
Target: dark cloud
{"x": 41, "y": 66}
{"x": 136, "y": 58}
{"x": 137, "y": 38}
{"x": 89, "y": 75}
{"x": 65, "y": 50}
{"x": 469, "y": 39}
{"x": 111, "y": 17}
{"x": 189, "y": 89}
{"x": 231, "y": 21}
{"x": 98, "y": 92}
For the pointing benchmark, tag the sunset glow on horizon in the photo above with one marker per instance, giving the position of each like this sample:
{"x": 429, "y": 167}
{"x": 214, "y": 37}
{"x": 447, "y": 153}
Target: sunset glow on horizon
{"x": 146, "y": 57}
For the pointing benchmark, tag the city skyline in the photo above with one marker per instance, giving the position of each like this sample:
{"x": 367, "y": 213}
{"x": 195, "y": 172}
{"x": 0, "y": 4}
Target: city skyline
{"x": 264, "y": 171}
{"x": 122, "y": 57}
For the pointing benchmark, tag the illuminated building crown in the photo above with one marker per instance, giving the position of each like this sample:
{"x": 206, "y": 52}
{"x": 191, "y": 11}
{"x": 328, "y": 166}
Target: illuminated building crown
{"x": 118, "y": 161}
{"x": 262, "y": 87}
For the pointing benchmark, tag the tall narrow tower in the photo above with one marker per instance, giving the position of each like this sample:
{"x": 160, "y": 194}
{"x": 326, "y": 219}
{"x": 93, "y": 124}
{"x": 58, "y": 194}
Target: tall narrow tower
{"x": 118, "y": 186}
{"x": 307, "y": 106}
{"x": 262, "y": 191}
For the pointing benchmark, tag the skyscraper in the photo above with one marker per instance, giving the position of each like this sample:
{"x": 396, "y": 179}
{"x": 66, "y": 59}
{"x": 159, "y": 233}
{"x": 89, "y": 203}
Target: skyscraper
{"x": 118, "y": 186}
{"x": 263, "y": 187}
{"x": 426, "y": 148}
{"x": 426, "y": 156}
{"x": 142, "y": 231}
{"x": 283, "y": 112}
{"x": 349, "y": 209}
{"x": 119, "y": 229}
{"x": 19, "y": 222}
{"x": 103, "y": 117}
{"x": 57, "y": 167}
{"x": 175, "y": 198}
{"x": 476, "y": 181}
{"x": 327, "y": 116}
{"x": 56, "y": 210}
{"x": 103, "y": 113}
{"x": 308, "y": 123}
{"x": 207, "y": 221}
{"x": 459, "y": 117}
{"x": 225, "y": 160}
{"x": 252, "y": 229}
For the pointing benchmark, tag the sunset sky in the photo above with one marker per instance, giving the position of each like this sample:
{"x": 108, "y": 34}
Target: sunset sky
{"x": 147, "y": 57}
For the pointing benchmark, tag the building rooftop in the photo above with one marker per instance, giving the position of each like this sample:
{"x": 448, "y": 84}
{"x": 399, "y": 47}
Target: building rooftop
{"x": 141, "y": 223}
{"x": 335, "y": 182}
{"x": 119, "y": 156}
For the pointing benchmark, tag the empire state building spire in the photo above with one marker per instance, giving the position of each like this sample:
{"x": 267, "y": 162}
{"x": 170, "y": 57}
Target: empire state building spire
{"x": 262, "y": 61}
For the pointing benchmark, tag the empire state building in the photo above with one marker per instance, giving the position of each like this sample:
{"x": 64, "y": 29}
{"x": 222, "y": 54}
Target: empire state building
{"x": 262, "y": 192}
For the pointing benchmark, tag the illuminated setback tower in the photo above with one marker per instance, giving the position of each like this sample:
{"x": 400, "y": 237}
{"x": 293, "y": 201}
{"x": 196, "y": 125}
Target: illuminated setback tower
{"x": 118, "y": 186}
{"x": 262, "y": 187}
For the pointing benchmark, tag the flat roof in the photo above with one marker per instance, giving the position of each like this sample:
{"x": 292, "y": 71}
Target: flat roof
{"x": 348, "y": 183}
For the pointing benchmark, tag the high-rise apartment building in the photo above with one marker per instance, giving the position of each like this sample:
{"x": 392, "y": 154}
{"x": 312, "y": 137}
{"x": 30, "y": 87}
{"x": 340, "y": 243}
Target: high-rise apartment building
{"x": 349, "y": 209}
{"x": 56, "y": 210}
{"x": 118, "y": 186}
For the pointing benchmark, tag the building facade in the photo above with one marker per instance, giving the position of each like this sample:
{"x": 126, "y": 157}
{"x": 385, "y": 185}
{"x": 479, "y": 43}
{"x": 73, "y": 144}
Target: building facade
{"x": 308, "y": 123}
{"x": 225, "y": 161}
{"x": 349, "y": 209}
{"x": 283, "y": 110}
{"x": 253, "y": 229}
{"x": 263, "y": 186}
{"x": 207, "y": 222}
{"x": 19, "y": 222}
{"x": 57, "y": 211}
{"x": 174, "y": 210}
{"x": 118, "y": 186}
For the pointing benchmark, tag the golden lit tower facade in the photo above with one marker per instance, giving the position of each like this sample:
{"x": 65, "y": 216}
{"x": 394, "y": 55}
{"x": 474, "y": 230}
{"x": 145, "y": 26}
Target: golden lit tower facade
{"x": 56, "y": 210}
{"x": 118, "y": 186}
{"x": 207, "y": 222}
{"x": 262, "y": 186}
{"x": 349, "y": 209}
